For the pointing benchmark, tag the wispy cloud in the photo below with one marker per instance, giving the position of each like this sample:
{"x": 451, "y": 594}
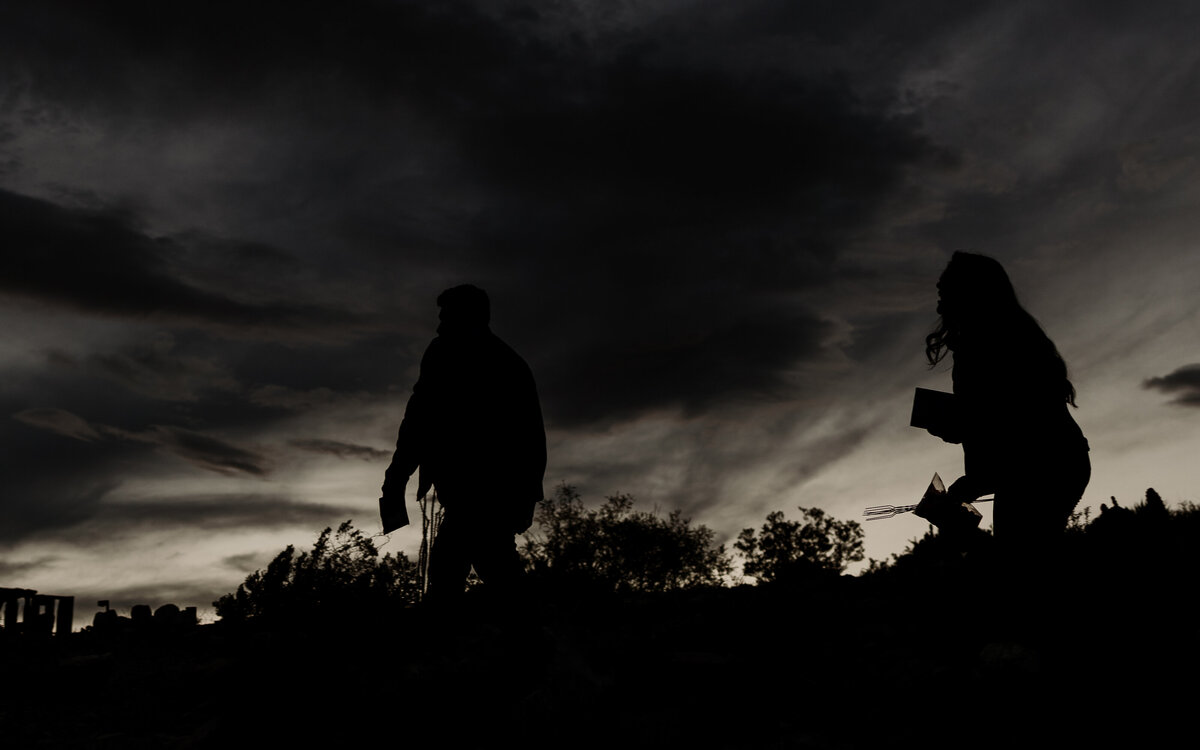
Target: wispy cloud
{"x": 216, "y": 512}
{"x": 1183, "y": 383}
{"x": 195, "y": 447}
{"x": 60, "y": 422}
{"x": 341, "y": 450}
{"x": 13, "y": 571}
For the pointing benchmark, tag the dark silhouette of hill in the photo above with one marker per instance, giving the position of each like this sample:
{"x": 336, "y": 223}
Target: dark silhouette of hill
{"x": 921, "y": 651}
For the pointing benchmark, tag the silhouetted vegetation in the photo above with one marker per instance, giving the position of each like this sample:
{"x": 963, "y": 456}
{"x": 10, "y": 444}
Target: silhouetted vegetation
{"x": 787, "y": 551}
{"x": 615, "y": 548}
{"x": 1146, "y": 541}
{"x": 924, "y": 646}
{"x": 342, "y": 569}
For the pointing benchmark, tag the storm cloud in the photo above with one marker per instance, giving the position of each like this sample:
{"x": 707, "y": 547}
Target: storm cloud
{"x": 713, "y": 229}
{"x": 98, "y": 261}
{"x": 646, "y": 196}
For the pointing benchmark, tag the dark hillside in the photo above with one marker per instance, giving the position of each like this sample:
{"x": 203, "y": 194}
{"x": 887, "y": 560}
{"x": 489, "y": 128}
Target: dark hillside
{"x": 923, "y": 652}
{"x": 849, "y": 663}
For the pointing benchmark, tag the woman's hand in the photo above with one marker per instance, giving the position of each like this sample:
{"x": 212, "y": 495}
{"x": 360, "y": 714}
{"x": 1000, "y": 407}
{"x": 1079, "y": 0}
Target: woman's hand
{"x": 964, "y": 490}
{"x": 951, "y": 511}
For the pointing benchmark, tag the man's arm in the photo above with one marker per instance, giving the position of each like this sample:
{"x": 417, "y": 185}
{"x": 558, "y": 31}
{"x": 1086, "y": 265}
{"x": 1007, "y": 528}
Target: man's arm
{"x": 413, "y": 432}
{"x": 404, "y": 463}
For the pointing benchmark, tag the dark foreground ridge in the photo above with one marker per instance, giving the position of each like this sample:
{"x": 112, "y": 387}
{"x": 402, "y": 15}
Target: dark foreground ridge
{"x": 900, "y": 657}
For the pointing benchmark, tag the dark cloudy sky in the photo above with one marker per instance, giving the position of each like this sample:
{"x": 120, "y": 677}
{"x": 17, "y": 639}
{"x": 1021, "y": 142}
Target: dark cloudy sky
{"x": 712, "y": 228}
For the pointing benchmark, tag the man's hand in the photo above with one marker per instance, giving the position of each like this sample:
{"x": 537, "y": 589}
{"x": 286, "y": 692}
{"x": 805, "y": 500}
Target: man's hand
{"x": 524, "y": 520}
{"x": 392, "y": 510}
{"x": 392, "y": 485}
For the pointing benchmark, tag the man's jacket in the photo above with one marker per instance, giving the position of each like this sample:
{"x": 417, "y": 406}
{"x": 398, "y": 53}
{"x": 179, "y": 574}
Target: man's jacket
{"x": 474, "y": 427}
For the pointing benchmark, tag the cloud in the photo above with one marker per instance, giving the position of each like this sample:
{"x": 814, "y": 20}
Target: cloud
{"x": 195, "y": 447}
{"x": 667, "y": 223}
{"x": 100, "y": 262}
{"x": 657, "y": 199}
{"x": 13, "y": 571}
{"x": 155, "y": 369}
{"x": 704, "y": 224}
{"x": 47, "y": 492}
{"x": 646, "y": 200}
{"x": 696, "y": 366}
{"x": 59, "y": 422}
{"x": 108, "y": 519}
{"x": 205, "y": 451}
{"x": 341, "y": 450}
{"x": 1184, "y": 382}
{"x": 215, "y": 512}
{"x": 247, "y": 562}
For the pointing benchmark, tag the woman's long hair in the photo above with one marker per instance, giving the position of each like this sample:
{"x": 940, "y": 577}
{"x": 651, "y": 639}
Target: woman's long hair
{"x": 979, "y": 307}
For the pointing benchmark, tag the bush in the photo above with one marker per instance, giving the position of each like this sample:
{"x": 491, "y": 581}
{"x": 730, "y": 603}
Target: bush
{"x": 789, "y": 550}
{"x": 619, "y": 549}
{"x": 343, "y": 571}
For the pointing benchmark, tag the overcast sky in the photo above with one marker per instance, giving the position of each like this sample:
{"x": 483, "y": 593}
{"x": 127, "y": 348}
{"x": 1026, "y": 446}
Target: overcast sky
{"x": 712, "y": 228}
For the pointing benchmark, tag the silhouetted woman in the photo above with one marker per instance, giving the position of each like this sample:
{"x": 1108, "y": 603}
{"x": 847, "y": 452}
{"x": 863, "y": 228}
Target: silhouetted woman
{"x": 1011, "y": 389}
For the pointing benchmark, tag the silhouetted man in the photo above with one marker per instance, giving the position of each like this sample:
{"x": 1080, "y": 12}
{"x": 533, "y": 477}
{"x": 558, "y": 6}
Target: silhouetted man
{"x": 474, "y": 427}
